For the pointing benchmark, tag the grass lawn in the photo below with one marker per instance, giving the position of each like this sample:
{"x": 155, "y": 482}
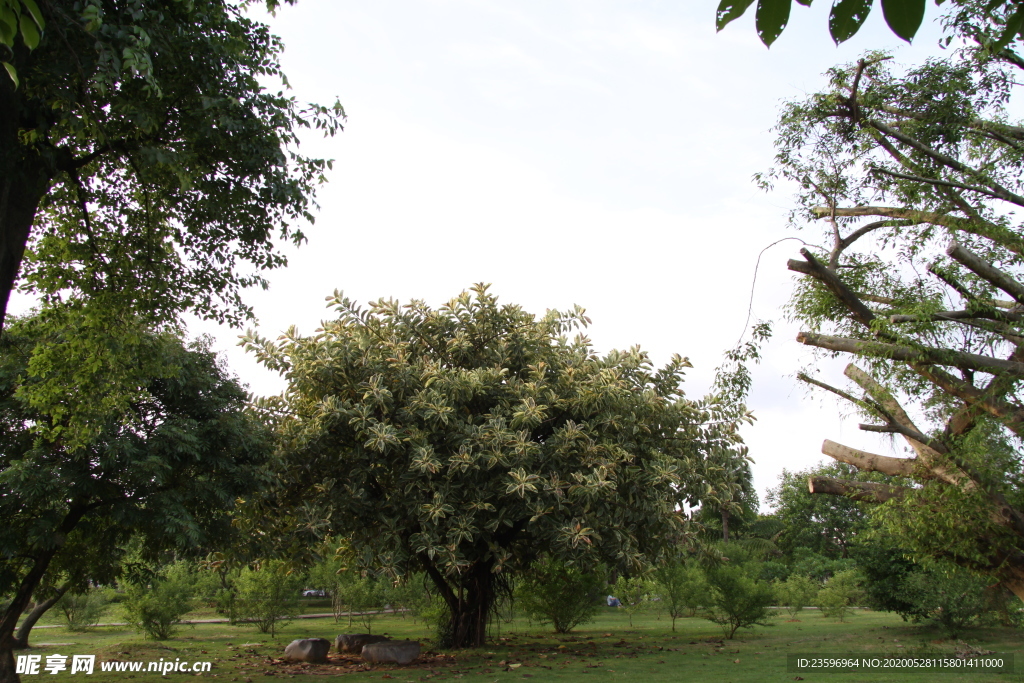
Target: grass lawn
{"x": 607, "y": 649}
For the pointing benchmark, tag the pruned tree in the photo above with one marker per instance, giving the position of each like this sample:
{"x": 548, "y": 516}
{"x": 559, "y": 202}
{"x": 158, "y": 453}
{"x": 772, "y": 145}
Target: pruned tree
{"x": 465, "y": 441}
{"x": 916, "y": 178}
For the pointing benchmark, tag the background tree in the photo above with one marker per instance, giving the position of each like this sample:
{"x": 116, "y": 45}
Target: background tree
{"x": 930, "y": 160}
{"x": 738, "y": 598}
{"x": 168, "y": 475}
{"x": 142, "y": 160}
{"x": 156, "y": 601}
{"x": 556, "y": 593}
{"x": 268, "y": 596}
{"x": 467, "y": 440}
{"x": 826, "y": 525}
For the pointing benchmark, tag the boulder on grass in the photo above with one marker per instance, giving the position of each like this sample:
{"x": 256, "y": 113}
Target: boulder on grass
{"x": 354, "y": 642}
{"x": 392, "y": 652}
{"x": 308, "y": 650}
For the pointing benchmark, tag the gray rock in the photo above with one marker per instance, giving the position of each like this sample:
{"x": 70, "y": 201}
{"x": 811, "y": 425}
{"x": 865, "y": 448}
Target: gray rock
{"x": 392, "y": 652}
{"x": 353, "y": 642}
{"x": 308, "y": 650}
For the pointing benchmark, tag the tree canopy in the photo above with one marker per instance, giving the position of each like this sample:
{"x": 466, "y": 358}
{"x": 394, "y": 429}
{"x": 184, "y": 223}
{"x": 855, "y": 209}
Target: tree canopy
{"x": 467, "y": 440}
{"x": 915, "y": 176}
{"x": 166, "y": 475}
{"x": 143, "y": 162}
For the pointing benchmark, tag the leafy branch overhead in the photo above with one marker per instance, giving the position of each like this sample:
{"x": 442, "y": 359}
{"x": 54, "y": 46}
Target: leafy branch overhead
{"x": 903, "y": 17}
{"x": 19, "y": 17}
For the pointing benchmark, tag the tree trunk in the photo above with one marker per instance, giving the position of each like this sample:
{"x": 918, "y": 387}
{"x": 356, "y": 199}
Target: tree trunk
{"x": 21, "y": 640}
{"x": 470, "y": 615}
{"x": 470, "y": 608}
{"x": 725, "y": 525}
{"x": 24, "y": 181}
{"x": 23, "y": 595}
{"x": 15, "y": 609}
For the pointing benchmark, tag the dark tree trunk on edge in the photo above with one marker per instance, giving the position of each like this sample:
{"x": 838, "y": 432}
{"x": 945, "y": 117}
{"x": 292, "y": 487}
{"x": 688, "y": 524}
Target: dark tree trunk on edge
{"x": 22, "y": 597}
{"x": 725, "y": 526}
{"x": 24, "y": 180}
{"x": 21, "y": 640}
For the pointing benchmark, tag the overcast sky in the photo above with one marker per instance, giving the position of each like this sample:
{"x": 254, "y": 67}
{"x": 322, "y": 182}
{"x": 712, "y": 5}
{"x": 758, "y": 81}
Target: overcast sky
{"x": 584, "y": 152}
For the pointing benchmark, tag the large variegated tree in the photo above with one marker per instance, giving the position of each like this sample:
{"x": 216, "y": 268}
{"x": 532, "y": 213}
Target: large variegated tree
{"x": 468, "y": 440}
{"x": 914, "y": 178}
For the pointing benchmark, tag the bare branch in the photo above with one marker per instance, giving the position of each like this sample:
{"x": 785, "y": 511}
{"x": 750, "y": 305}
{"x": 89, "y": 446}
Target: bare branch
{"x": 1010, "y": 415}
{"x": 981, "y": 228}
{"x": 998, "y": 191}
{"x": 925, "y": 354}
{"x": 985, "y": 270}
{"x": 869, "y": 492}
{"x": 939, "y": 316}
{"x": 937, "y": 181}
{"x": 815, "y": 269}
{"x": 868, "y": 462}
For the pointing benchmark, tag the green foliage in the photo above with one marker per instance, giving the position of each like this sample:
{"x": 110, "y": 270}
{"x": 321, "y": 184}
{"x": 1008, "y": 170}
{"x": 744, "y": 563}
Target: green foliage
{"x": 635, "y": 594}
{"x": 267, "y": 596}
{"x": 796, "y": 592}
{"x": 556, "y": 593}
{"x": 738, "y": 600}
{"x": 156, "y": 608}
{"x": 81, "y": 611}
{"x": 825, "y": 525}
{"x": 165, "y": 474}
{"x": 683, "y": 589}
{"x": 468, "y": 440}
{"x": 885, "y": 570}
{"x": 158, "y": 160}
{"x": 840, "y": 594}
{"x": 951, "y": 596}
{"x": 364, "y": 597}
{"x": 903, "y": 17}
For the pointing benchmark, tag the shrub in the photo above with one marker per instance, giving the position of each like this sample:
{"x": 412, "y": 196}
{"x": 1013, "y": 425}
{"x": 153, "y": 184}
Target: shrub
{"x": 365, "y": 597}
{"x": 82, "y": 611}
{"x": 840, "y": 593}
{"x": 634, "y": 593}
{"x": 953, "y": 597}
{"x": 682, "y": 589}
{"x": 268, "y": 596}
{"x": 738, "y": 600}
{"x": 562, "y": 595}
{"x": 157, "y": 608}
{"x": 796, "y": 592}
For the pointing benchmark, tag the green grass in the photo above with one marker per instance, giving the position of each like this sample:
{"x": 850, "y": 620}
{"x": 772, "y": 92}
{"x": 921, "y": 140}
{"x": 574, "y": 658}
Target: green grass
{"x": 607, "y": 649}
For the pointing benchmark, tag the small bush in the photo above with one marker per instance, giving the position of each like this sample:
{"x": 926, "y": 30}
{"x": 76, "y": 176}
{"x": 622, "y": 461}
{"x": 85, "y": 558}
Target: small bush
{"x": 559, "y": 594}
{"x": 83, "y": 611}
{"x": 365, "y": 597}
{"x": 267, "y": 597}
{"x": 157, "y": 608}
{"x": 738, "y": 600}
{"x": 840, "y": 594}
{"x": 682, "y": 589}
{"x": 953, "y": 597}
{"x": 634, "y": 593}
{"x": 796, "y": 592}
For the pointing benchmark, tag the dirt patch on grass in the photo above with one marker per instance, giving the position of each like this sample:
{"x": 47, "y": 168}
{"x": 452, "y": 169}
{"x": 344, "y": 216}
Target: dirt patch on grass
{"x": 344, "y": 664}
